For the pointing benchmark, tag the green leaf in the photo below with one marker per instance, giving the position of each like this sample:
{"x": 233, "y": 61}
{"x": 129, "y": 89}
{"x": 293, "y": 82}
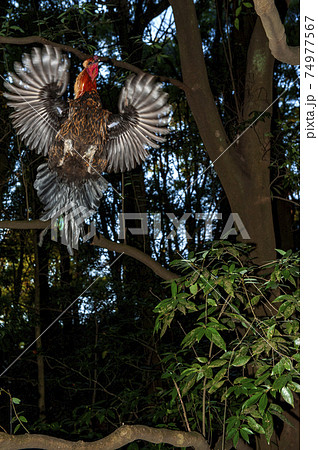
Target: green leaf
{"x": 194, "y": 289}
{"x": 240, "y": 361}
{"x": 237, "y": 24}
{"x": 23, "y": 419}
{"x": 255, "y": 300}
{"x": 228, "y": 287}
{"x": 286, "y": 309}
{"x": 268, "y": 426}
{"x": 261, "y": 379}
{"x": 227, "y": 393}
{"x": 194, "y": 335}
{"x": 16, "y": 401}
{"x": 181, "y": 308}
{"x": 259, "y": 346}
{"x": 226, "y": 355}
{"x": 293, "y": 386}
{"x": 231, "y": 433}
{"x": 279, "y": 368}
{"x": 280, "y": 298}
{"x": 174, "y": 289}
{"x": 238, "y": 11}
{"x": 236, "y": 439}
{"x": 278, "y": 412}
{"x": 255, "y": 426}
{"x": 274, "y": 407}
{"x": 243, "y": 380}
{"x": 202, "y": 359}
{"x": 220, "y": 374}
{"x": 252, "y": 411}
{"x": 287, "y": 395}
{"x": 270, "y": 331}
{"x": 215, "y": 337}
{"x": 216, "y": 386}
{"x": 190, "y": 380}
{"x": 287, "y": 364}
{"x": 191, "y": 306}
{"x": 245, "y": 434}
{"x": 247, "y": 430}
{"x": 232, "y": 422}
{"x": 16, "y": 428}
{"x": 261, "y": 369}
{"x": 252, "y": 400}
{"x": 217, "y": 363}
{"x": 248, "y": 4}
{"x": 262, "y": 403}
{"x": 280, "y": 382}
{"x": 15, "y": 27}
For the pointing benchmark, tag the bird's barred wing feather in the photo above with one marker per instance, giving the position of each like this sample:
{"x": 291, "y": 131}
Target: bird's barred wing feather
{"x": 35, "y": 94}
{"x": 142, "y": 119}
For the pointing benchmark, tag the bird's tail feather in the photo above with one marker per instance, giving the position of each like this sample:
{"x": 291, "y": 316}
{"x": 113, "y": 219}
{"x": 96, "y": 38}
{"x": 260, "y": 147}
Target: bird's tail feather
{"x": 67, "y": 205}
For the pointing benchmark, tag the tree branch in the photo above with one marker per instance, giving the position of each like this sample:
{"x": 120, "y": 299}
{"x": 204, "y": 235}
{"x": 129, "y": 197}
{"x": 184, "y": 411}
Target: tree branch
{"x": 82, "y": 56}
{"x": 99, "y": 241}
{"x": 275, "y": 31}
{"x": 120, "y": 437}
{"x": 163, "y": 273}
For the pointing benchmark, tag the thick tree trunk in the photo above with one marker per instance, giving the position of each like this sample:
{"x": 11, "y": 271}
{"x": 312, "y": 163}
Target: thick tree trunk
{"x": 243, "y": 167}
{"x": 254, "y": 146}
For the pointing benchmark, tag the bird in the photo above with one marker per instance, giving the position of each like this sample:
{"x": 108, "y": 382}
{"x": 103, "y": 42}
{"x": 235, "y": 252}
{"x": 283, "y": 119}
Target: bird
{"x": 78, "y": 138}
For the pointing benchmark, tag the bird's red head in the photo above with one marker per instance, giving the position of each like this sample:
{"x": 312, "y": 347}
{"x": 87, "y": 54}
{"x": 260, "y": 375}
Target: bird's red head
{"x": 86, "y": 81}
{"x": 91, "y": 66}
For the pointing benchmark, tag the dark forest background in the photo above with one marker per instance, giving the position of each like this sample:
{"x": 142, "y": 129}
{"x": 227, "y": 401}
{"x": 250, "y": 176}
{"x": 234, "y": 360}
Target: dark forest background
{"x": 101, "y": 364}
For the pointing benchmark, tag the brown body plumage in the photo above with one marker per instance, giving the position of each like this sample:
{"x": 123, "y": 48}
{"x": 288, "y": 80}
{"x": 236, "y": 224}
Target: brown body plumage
{"x": 79, "y": 149}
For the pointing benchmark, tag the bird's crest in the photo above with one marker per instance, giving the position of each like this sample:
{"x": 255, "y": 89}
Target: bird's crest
{"x": 86, "y": 80}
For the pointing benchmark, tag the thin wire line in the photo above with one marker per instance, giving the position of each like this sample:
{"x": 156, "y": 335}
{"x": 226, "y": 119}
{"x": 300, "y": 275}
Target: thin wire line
{"x": 55, "y": 320}
{"x": 243, "y": 132}
{"x": 232, "y": 307}
{"x": 51, "y": 126}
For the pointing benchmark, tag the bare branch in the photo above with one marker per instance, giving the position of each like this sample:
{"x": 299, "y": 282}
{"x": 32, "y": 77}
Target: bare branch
{"x": 24, "y": 224}
{"x": 120, "y": 437}
{"x": 99, "y": 241}
{"x": 82, "y": 56}
{"x": 137, "y": 254}
{"x": 275, "y": 31}
{"x": 286, "y": 200}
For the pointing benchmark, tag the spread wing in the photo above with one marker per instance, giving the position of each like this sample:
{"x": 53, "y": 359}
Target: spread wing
{"x": 35, "y": 94}
{"x": 142, "y": 119}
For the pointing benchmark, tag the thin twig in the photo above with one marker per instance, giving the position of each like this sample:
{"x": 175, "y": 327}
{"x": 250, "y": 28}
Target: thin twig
{"x": 182, "y": 404}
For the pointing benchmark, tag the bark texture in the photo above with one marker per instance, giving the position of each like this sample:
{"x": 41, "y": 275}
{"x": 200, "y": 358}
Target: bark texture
{"x": 275, "y": 33}
{"x": 122, "y": 436}
{"x": 242, "y": 166}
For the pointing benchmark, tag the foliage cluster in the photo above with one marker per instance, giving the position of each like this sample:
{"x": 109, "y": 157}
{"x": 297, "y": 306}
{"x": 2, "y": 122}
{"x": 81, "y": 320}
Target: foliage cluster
{"x": 235, "y": 369}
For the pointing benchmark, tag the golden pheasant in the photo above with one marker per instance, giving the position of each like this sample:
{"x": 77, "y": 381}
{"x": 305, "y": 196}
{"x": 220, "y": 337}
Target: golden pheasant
{"x": 81, "y": 139}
